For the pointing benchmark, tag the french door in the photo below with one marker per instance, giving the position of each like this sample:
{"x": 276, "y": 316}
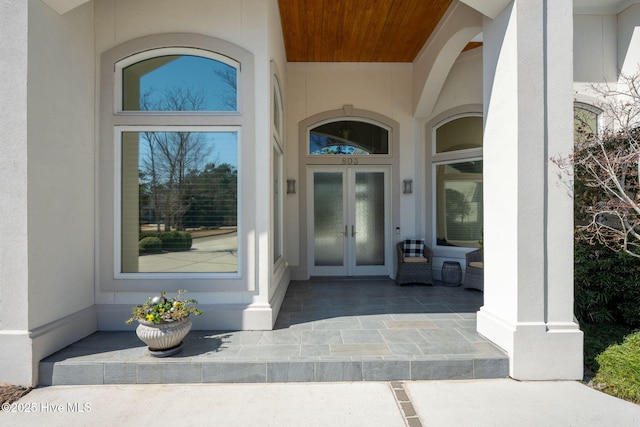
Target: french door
{"x": 349, "y": 216}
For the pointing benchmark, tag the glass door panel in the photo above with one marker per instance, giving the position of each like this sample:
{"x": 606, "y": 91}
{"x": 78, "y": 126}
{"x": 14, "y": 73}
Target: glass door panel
{"x": 328, "y": 226}
{"x": 349, "y": 220}
{"x": 369, "y": 218}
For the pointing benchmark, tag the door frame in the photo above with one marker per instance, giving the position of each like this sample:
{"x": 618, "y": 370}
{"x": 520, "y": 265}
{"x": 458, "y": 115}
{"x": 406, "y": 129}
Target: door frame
{"x": 349, "y": 268}
{"x": 299, "y": 265}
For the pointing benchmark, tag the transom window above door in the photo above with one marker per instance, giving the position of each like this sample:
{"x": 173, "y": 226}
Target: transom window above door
{"x": 348, "y": 138}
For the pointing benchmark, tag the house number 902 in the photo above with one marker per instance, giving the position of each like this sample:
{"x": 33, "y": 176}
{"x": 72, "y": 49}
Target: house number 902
{"x": 349, "y": 161}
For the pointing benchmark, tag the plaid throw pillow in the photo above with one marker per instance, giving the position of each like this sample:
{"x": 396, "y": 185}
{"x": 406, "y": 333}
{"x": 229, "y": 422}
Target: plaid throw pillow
{"x": 413, "y": 248}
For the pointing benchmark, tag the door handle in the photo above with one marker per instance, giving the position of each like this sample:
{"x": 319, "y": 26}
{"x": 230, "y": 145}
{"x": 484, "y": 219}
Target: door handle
{"x": 353, "y": 231}
{"x": 346, "y": 231}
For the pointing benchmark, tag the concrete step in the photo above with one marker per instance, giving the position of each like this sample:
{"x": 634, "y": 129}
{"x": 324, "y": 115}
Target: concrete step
{"x": 243, "y": 357}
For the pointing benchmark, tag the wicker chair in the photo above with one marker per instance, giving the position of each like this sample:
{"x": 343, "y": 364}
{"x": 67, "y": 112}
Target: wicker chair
{"x": 417, "y": 271}
{"x": 474, "y": 273}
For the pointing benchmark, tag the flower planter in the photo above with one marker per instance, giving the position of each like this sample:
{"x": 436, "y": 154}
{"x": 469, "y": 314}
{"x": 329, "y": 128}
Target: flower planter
{"x": 165, "y": 338}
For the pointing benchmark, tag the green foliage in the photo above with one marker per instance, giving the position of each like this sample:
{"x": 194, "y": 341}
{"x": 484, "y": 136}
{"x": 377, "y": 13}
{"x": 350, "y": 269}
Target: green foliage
{"x": 174, "y": 241}
{"x": 606, "y": 285}
{"x": 171, "y": 241}
{"x": 619, "y": 373}
{"x": 150, "y": 245}
{"x": 161, "y": 309}
{"x": 598, "y": 337}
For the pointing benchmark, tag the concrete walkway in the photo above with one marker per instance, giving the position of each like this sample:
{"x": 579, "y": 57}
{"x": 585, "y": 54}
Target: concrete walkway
{"x": 500, "y": 402}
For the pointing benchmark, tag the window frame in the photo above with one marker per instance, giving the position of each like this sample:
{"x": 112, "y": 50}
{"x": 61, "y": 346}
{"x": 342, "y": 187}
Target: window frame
{"x": 277, "y": 174}
{"x": 110, "y": 118}
{"x": 444, "y": 158}
{"x": 592, "y": 109}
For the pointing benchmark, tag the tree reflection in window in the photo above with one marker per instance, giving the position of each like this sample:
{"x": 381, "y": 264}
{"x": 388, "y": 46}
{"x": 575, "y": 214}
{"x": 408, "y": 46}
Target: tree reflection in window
{"x": 186, "y": 182}
{"x": 179, "y": 83}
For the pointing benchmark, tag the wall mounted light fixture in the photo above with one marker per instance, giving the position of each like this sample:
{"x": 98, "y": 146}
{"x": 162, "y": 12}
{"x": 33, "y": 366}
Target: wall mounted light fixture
{"x": 291, "y": 186}
{"x": 407, "y": 186}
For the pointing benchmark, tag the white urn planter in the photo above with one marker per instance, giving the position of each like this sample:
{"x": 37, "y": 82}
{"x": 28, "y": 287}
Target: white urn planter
{"x": 163, "y": 339}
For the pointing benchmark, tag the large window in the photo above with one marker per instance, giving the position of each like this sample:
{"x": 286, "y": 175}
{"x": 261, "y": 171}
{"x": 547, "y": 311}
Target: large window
{"x": 458, "y": 182}
{"x": 177, "y": 163}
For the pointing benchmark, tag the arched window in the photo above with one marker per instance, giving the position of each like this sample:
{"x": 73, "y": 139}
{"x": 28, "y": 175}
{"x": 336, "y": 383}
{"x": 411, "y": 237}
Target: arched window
{"x": 348, "y": 137}
{"x": 457, "y": 161}
{"x": 173, "y": 107}
{"x": 585, "y": 121}
{"x": 178, "y": 80}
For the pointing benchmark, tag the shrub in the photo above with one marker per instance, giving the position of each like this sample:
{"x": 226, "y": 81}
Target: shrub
{"x": 176, "y": 241}
{"x": 606, "y": 286}
{"x": 619, "y": 373}
{"x": 598, "y": 337}
{"x": 144, "y": 234}
{"x": 150, "y": 245}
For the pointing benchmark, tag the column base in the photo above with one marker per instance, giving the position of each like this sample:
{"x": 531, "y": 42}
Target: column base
{"x": 537, "y": 351}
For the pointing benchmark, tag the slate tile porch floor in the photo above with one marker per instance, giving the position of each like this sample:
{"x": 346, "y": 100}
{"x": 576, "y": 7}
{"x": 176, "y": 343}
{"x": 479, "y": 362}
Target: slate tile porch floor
{"x": 327, "y": 330}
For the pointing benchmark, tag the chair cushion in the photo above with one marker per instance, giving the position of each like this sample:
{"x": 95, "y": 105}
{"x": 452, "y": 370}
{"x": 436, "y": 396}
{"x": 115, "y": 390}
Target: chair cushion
{"x": 413, "y": 248}
{"x": 414, "y": 259}
{"x": 476, "y": 264}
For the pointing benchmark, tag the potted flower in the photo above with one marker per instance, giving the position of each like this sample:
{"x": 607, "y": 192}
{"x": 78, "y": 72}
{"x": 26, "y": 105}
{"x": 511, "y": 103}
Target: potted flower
{"x": 164, "y": 322}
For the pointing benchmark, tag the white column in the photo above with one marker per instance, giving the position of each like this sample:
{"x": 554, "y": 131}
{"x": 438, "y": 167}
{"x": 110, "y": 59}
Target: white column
{"x": 15, "y": 359}
{"x": 528, "y": 230}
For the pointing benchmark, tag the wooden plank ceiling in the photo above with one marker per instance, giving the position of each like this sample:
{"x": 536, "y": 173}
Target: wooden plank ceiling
{"x": 358, "y": 30}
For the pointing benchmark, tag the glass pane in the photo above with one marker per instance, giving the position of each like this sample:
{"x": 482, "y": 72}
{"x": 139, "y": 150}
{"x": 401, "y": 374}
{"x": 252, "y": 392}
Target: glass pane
{"x": 328, "y": 220}
{"x": 585, "y": 124}
{"x": 179, "y": 83}
{"x": 179, "y": 202}
{"x": 459, "y": 204}
{"x": 277, "y": 205}
{"x": 370, "y": 218}
{"x": 348, "y": 138}
{"x": 459, "y": 134}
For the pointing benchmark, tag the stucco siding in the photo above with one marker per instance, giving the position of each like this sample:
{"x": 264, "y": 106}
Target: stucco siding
{"x": 594, "y": 46}
{"x": 61, "y": 162}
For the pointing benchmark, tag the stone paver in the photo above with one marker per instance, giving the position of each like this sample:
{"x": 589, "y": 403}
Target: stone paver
{"x": 321, "y": 321}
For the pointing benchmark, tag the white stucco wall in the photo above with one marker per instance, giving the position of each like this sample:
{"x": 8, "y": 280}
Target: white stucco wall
{"x": 629, "y": 40}
{"x": 595, "y": 46}
{"x": 314, "y": 88}
{"x": 14, "y": 267}
{"x": 606, "y": 45}
{"x": 13, "y": 168}
{"x": 46, "y": 278}
{"x": 61, "y": 162}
